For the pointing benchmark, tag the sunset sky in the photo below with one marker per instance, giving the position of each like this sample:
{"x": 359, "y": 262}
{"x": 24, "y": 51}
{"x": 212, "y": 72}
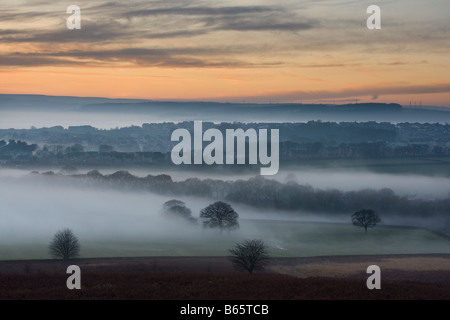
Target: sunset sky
{"x": 254, "y": 50}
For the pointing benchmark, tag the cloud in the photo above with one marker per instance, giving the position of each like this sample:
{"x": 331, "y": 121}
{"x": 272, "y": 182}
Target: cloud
{"x": 120, "y": 26}
{"x": 395, "y": 63}
{"x": 202, "y": 11}
{"x": 269, "y": 24}
{"x": 327, "y": 65}
{"x": 31, "y": 60}
{"x": 212, "y": 34}
{"x": 240, "y": 18}
{"x": 170, "y": 57}
{"x": 9, "y": 32}
{"x": 18, "y": 15}
{"x": 90, "y": 32}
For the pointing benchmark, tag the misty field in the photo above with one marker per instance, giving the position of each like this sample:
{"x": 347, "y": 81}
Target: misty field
{"x": 285, "y": 239}
{"x": 122, "y": 223}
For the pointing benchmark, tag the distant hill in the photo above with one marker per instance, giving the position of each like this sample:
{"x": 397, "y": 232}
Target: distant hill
{"x": 237, "y": 107}
{"x": 61, "y": 103}
{"x": 215, "y": 111}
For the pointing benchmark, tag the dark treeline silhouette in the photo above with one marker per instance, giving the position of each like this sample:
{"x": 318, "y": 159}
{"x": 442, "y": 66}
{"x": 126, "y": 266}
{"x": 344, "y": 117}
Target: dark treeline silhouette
{"x": 16, "y": 148}
{"x": 20, "y": 153}
{"x": 150, "y": 144}
{"x": 155, "y": 137}
{"x": 264, "y": 193}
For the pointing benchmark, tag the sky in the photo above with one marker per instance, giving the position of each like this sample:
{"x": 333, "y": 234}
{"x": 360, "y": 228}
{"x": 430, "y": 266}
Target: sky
{"x": 310, "y": 51}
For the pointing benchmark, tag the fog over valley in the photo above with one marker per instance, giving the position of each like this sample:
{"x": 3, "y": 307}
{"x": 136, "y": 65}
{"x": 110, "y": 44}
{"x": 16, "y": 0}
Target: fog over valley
{"x": 409, "y": 185}
{"x": 104, "y": 168}
{"x": 125, "y": 222}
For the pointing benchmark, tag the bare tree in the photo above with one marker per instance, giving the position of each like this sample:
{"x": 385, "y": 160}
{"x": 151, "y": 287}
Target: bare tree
{"x": 250, "y": 255}
{"x": 366, "y": 218}
{"x": 64, "y": 245}
{"x": 219, "y": 215}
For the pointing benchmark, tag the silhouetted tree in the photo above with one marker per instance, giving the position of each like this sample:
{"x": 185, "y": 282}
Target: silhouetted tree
{"x": 177, "y": 208}
{"x": 220, "y": 215}
{"x": 250, "y": 255}
{"x": 64, "y": 245}
{"x": 366, "y": 218}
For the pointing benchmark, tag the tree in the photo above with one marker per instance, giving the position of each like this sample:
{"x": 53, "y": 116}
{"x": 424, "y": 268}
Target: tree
{"x": 366, "y": 218}
{"x": 177, "y": 208}
{"x": 220, "y": 215}
{"x": 64, "y": 245}
{"x": 250, "y": 255}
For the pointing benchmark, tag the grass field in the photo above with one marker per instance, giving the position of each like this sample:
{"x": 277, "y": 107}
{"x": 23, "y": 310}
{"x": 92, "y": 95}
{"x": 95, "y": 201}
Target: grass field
{"x": 285, "y": 239}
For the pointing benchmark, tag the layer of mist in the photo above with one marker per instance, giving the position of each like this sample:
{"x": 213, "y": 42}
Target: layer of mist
{"x": 127, "y": 222}
{"x": 411, "y": 186}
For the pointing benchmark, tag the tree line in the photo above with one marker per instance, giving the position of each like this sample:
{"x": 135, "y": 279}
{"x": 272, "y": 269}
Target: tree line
{"x": 264, "y": 193}
{"x": 21, "y": 153}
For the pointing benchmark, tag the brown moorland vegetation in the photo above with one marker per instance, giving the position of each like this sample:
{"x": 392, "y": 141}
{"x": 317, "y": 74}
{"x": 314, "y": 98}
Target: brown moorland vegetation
{"x": 211, "y": 278}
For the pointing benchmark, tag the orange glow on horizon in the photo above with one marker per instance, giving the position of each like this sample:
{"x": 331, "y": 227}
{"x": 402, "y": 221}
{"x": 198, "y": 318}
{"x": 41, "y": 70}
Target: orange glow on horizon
{"x": 235, "y": 85}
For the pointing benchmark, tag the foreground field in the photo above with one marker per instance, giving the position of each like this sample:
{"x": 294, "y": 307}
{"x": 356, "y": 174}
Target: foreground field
{"x": 200, "y": 278}
{"x": 285, "y": 239}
